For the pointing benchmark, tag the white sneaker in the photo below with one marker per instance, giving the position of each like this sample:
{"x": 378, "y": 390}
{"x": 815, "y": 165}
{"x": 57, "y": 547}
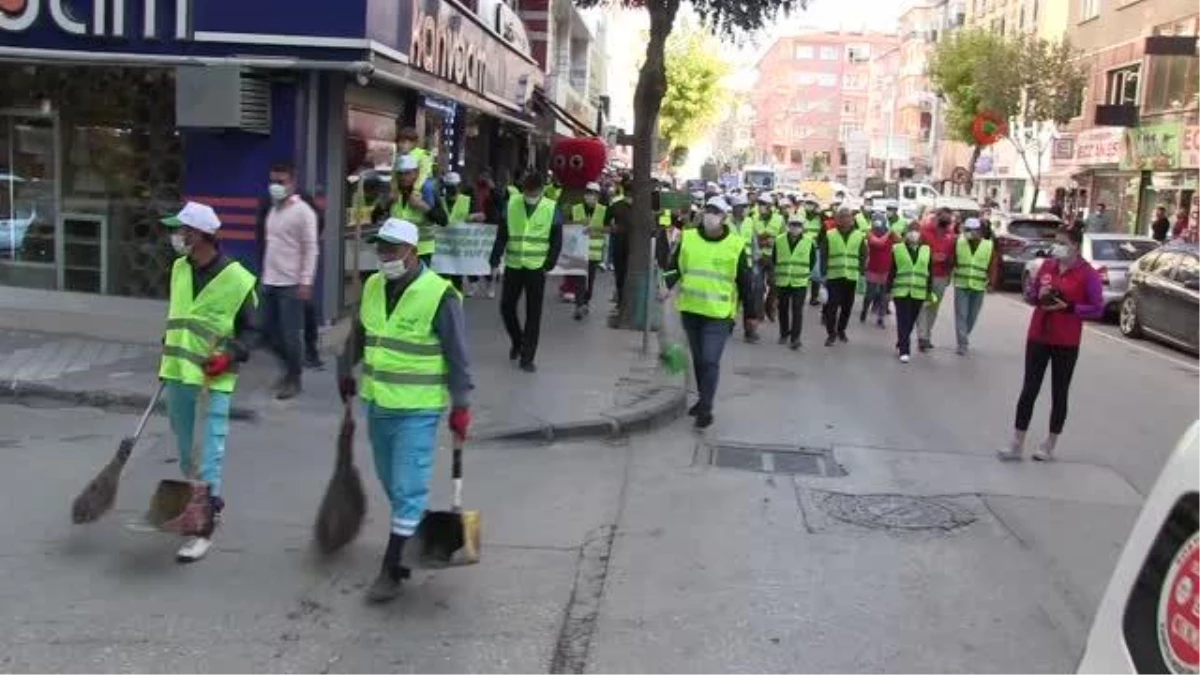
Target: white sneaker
{"x": 1043, "y": 454}
{"x": 904, "y": 358}
{"x": 193, "y": 549}
{"x": 491, "y": 291}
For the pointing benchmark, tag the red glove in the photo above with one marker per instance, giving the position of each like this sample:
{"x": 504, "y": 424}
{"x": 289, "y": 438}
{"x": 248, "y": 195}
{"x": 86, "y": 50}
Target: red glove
{"x": 347, "y": 388}
{"x": 460, "y": 420}
{"x": 217, "y": 364}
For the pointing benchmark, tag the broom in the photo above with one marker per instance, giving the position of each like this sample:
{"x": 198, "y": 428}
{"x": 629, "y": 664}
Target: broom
{"x": 446, "y": 538}
{"x": 101, "y": 493}
{"x": 342, "y": 509}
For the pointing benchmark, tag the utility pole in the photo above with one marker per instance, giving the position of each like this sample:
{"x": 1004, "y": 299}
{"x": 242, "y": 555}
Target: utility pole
{"x": 887, "y": 156}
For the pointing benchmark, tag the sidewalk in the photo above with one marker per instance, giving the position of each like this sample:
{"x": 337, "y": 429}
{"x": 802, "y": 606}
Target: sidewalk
{"x": 591, "y": 380}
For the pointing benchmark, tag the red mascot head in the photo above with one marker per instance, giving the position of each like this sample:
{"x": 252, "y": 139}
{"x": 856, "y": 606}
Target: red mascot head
{"x": 578, "y": 161}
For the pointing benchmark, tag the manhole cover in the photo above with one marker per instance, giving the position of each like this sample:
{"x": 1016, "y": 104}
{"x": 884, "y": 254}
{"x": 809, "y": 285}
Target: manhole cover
{"x": 765, "y": 373}
{"x": 896, "y": 512}
{"x": 789, "y": 459}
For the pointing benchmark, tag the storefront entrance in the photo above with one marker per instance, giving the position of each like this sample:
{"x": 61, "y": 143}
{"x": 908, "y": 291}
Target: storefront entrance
{"x": 29, "y": 188}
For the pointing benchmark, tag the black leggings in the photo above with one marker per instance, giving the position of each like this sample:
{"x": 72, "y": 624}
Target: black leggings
{"x": 1062, "y": 365}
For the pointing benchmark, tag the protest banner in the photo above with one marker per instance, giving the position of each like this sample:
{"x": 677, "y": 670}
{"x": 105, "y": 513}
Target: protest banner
{"x": 464, "y": 248}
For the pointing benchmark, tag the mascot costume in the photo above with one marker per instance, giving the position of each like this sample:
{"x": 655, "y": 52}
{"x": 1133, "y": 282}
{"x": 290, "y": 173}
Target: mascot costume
{"x": 575, "y": 162}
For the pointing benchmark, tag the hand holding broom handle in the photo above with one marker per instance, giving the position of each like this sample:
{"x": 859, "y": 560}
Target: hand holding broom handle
{"x": 126, "y": 448}
{"x": 456, "y": 472}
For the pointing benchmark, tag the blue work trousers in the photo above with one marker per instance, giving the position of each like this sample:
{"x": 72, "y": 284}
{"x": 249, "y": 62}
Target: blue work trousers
{"x": 706, "y": 337}
{"x": 181, "y": 410}
{"x": 403, "y": 443}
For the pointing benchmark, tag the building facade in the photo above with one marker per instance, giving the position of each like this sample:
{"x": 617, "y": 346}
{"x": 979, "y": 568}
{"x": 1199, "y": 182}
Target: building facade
{"x": 116, "y": 112}
{"x": 1135, "y": 143}
{"x": 811, "y": 96}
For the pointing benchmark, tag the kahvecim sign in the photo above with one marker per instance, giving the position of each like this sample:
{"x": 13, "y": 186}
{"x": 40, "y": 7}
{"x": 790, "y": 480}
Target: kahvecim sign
{"x": 440, "y": 47}
{"x": 107, "y": 17}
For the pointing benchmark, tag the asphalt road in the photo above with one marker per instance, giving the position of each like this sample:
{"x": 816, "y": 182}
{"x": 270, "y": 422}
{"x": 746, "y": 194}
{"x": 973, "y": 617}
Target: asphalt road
{"x": 919, "y": 552}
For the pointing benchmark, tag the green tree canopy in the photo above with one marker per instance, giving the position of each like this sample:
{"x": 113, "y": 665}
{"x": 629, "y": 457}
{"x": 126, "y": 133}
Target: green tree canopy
{"x": 694, "y": 93}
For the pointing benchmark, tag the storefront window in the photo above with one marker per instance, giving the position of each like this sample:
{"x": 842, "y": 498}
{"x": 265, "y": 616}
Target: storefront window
{"x": 370, "y": 156}
{"x": 1118, "y": 192}
{"x": 88, "y": 175}
{"x": 1173, "y": 83}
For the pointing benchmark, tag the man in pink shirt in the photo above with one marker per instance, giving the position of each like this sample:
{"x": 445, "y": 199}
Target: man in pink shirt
{"x": 289, "y": 265}
{"x": 940, "y": 237}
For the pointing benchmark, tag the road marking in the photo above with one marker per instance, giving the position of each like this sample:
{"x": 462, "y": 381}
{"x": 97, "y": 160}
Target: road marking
{"x": 1125, "y": 342}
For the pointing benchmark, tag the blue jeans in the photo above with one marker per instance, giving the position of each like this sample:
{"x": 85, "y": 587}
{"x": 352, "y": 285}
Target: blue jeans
{"x": 403, "y": 443}
{"x": 706, "y": 337}
{"x": 967, "y": 305}
{"x": 181, "y": 410}
{"x": 283, "y": 325}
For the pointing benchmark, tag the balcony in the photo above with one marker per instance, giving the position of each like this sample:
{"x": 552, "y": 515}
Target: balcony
{"x": 1116, "y": 116}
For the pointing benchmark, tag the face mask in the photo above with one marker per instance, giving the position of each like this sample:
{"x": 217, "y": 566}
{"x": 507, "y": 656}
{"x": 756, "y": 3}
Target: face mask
{"x": 973, "y": 235}
{"x": 532, "y": 200}
{"x": 712, "y": 222}
{"x": 913, "y": 238}
{"x": 943, "y": 224}
{"x": 179, "y": 243}
{"x": 1062, "y": 252}
{"x": 590, "y": 200}
{"x": 794, "y": 229}
{"x": 278, "y": 192}
{"x": 393, "y": 269}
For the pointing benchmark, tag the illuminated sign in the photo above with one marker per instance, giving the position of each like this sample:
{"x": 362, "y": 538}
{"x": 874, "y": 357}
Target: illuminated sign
{"x": 107, "y": 19}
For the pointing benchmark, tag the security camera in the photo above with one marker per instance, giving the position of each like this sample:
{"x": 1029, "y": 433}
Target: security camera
{"x": 363, "y": 76}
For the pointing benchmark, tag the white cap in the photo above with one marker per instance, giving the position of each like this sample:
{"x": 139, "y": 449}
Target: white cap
{"x": 397, "y": 231}
{"x": 697, "y": 194}
{"x": 452, "y": 178}
{"x": 196, "y": 216}
{"x": 738, "y": 199}
{"x": 592, "y": 187}
{"x": 406, "y": 163}
{"x": 718, "y": 203}
{"x": 972, "y": 224}
{"x": 766, "y": 198}
{"x": 811, "y": 198}
{"x": 796, "y": 217}
{"x": 711, "y": 186}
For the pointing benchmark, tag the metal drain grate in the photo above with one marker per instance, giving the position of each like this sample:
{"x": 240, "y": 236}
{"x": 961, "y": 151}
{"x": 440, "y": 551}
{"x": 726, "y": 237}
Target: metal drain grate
{"x": 785, "y": 459}
{"x": 896, "y": 512}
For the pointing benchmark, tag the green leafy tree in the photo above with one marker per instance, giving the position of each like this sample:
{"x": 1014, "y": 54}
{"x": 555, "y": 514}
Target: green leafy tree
{"x": 694, "y": 95}
{"x": 955, "y": 70}
{"x": 724, "y": 18}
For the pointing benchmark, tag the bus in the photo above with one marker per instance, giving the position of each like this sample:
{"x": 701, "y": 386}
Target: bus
{"x": 758, "y": 177}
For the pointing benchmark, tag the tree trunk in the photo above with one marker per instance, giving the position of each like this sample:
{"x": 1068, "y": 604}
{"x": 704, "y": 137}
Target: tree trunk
{"x": 647, "y": 101}
{"x": 976, "y": 150}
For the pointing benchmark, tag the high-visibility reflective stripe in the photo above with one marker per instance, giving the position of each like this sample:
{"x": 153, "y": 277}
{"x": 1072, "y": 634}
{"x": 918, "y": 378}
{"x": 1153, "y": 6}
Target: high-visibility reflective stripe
{"x": 707, "y": 274}
{"x": 404, "y": 346}
{"x": 704, "y": 295}
{"x": 181, "y": 353}
{"x": 193, "y": 325}
{"x": 403, "y": 378}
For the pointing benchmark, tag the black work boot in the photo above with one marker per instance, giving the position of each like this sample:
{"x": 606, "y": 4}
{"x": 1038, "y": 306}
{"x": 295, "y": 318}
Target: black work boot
{"x": 386, "y": 586}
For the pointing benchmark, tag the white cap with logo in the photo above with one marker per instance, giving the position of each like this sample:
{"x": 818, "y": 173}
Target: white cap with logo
{"x": 196, "y": 216}
{"x": 718, "y": 203}
{"x": 592, "y": 187}
{"x": 406, "y": 163}
{"x": 452, "y": 178}
{"x": 738, "y": 199}
{"x": 972, "y": 224}
{"x": 396, "y": 231}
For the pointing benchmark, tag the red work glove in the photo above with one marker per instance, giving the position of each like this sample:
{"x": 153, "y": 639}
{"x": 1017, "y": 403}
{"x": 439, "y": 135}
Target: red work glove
{"x": 347, "y": 388}
{"x": 460, "y": 420}
{"x": 217, "y": 364}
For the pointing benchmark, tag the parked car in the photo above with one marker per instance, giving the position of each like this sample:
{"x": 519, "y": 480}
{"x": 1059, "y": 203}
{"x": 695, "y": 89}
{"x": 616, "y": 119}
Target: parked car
{"x": 1019, "y": 237}
{"x": 1111, "y": 254}
{"x": 1163, "y": 300}
{"x": 963, "y": 207}
{"x": 1147, "y": 622}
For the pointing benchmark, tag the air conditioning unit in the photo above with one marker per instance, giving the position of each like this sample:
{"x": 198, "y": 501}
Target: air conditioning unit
{"x": 222, "y": 97}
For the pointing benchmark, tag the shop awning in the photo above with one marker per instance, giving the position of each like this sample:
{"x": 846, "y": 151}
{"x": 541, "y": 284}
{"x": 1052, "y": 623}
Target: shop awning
{"x": 543, "y": 103}
{"x": 401, "y": 75}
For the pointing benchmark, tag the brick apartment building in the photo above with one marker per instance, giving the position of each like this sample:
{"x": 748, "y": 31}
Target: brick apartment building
{"x": 811, "y": 93}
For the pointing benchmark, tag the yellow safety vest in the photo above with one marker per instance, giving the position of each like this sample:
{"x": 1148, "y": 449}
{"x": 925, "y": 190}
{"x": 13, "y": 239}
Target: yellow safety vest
{"x": 664, "y": 218}
{"x": 513, "y": 191}
{"x": 528, "y": 236}
{"x": 553, "y": 192}
{"x": 595, "y": 229}
{"x": 459, "y": 211}
{"x": 793, "y": 266}
{"x": 772, "y": 226}
{"x": 971, "y": 269}
{"x": 708, "y": 275}
{"x": 912, "y": 278}
{"x": 900, "y": 226}
{"x": 359, "y": 212}
{"x": 424, "y": 167}
{"x": 404, "y": 367}
{"x": 426, "y": 245}
{"x": 863, "y": 222}
{"x": 745, "y": 231}
{"x": 813, "y": 226}
{"x": 198, "y": 322}
{"x": 844, "y": 254}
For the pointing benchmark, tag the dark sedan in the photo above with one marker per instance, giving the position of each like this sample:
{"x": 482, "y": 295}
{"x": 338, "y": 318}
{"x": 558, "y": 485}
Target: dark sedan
{"x": 1019, "y": 238}
{"x": 1163, "y": 301}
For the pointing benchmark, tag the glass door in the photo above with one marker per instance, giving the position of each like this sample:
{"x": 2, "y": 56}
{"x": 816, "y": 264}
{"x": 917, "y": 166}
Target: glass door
{"x": 28, "y": 199}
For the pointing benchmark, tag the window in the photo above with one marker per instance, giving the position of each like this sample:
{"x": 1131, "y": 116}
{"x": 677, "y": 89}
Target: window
{"x": 1147, "y": 261}
{"x": 829, "y": 53}
{"x": 849, "y": 108}
{"x": 1122, "y": 85}
{"x": 1164, "y": 264}
{"x": 1089, "y": 9}
{"x": 858, "y": 53}
{"x": 805, "y": 77}
{"x": 827, "y": 80}
{"x": 849, "y": 128}
{"x": 1188, "y": 270}
{"x": 1172, "y": 83}
{"x": 1127, "y": 250}
{"x": 796, "y": 155}
{"x": 854, "y": 81}
{"x": 1033, "y": 15}
{"x": 803, "y": 52}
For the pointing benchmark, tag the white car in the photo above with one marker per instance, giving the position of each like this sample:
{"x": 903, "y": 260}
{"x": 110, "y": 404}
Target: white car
{"x": 1148, "y": 620}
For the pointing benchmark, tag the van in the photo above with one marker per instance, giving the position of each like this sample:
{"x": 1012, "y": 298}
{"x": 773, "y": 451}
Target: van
{"x": 1148, "y": 620}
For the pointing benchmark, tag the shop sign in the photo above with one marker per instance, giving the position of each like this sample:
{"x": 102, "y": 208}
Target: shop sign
{"x": 1189, "y": 153}
{"x": 108, "y": 18}
{"x": 1062, "y": 149}
{"x": 446, "y": 44}
{"x": 1099, "y": 146}
{"x": 1154, "y": 147}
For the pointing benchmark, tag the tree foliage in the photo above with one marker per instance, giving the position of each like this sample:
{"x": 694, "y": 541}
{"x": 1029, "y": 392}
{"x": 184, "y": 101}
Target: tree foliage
{"x": 694, "y": 93}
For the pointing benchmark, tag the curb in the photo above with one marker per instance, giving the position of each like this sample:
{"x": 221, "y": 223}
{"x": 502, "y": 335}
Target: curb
{"x": 23, "y": 392}
{"x": 663, "y": 405}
